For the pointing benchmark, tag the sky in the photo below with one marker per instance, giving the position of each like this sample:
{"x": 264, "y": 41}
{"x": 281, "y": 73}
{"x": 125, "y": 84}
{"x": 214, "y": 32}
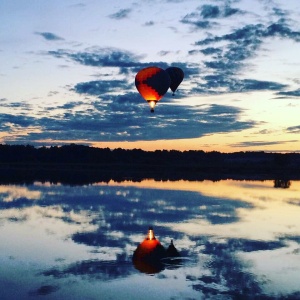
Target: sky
{"x": 67, "y": 74}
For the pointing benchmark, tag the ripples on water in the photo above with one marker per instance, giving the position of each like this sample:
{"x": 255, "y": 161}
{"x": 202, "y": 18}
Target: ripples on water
{"x": 236, "y": 239}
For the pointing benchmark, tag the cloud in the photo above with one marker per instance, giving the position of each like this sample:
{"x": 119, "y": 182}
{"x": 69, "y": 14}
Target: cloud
{"x": 293, "y": 129}
{"x": 118, "y": 113}
{"x": 100, "y": 57}
{"x": 163, "y": 53}
{"x": 7, "y": 121}
{"x": 124, "y": 61}
{"x": 229, "y": 11}
{"x": 123, "y": 117}
{"x": 192, "y": 19}
{"x": 256, "y": 85}
{"x": 295, "y": 93}
{"x": 44, "y": 290}
{"x": 226, "y": 83}
{"x": 101, "y": 87}
{"x": 210, "y": 11}
{"x": 260, "y": 143}
{"x": 211, "y": 51}
{"x": 97, "y": 269}
{"x": 121, "y": 14}
{"x": 200, "y": 18}
{"x": 149, "y": 23}
{"x": 228, "y": 55}
{"x": 49, "y": 36}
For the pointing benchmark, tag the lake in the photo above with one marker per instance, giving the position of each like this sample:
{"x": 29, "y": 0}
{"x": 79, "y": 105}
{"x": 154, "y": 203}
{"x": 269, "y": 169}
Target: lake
{"x": 236, "y": 239}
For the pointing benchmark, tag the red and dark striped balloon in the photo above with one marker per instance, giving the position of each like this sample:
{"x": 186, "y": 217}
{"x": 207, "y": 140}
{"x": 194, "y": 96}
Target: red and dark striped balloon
{"x": 152, "y": 83}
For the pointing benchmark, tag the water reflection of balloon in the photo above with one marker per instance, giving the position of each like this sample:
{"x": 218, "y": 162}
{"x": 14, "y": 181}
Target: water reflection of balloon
{"x": 172, "y": 251}
{"x": 147, "y": 256}
{"x": 151, "y": 257}
{"x": 176, "y": 75}
{"x": 152, "y": 83}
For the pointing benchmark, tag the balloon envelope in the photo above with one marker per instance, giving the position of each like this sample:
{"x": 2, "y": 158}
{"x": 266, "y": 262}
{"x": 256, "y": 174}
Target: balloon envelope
{"x": 152, "y": 83}
{"x": 176, "y": 76}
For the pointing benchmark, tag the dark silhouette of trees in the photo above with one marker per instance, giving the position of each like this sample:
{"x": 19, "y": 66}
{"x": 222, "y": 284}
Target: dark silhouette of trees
{"x": 282, "y": 183}
{"x": 84, "y": 161}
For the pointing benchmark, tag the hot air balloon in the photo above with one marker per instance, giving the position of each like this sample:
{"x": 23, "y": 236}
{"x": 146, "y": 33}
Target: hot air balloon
{"x": 172, "y": 251}
{"x": 176, "y": 76}
{"x": 152, "y": 83}
{"x": 147, "y": 256}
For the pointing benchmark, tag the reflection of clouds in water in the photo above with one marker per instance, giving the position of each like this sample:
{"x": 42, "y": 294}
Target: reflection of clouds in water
{"x": 46, "y": 184}
{"x": 14, "y": 192}
{"x": 44, "y": 290}
{"x": 81, "y": 217}
{"x": 279, "y": 267}
{"x": 14, "y": 215}
{"x": 294, "y": 202}
{"x": 124, "y": 193}
{"x": 226, "y": 273}
{"x": 94, "y": 269}
{"x": 110, "y": 222}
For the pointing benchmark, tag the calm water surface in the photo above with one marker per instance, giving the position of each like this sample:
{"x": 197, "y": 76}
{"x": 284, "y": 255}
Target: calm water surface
{"x": 237, "y": 240}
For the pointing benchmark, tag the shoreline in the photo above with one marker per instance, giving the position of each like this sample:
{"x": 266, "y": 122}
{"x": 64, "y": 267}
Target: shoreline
{"x": 92, "y": 173}
{"x": 78, "y": 164}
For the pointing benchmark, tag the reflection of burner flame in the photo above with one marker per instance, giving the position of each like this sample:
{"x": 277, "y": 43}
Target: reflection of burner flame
{"x": 150, "y": 235}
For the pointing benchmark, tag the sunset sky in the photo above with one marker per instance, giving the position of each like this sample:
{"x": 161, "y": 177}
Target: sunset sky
{"x": 67, "y": 71}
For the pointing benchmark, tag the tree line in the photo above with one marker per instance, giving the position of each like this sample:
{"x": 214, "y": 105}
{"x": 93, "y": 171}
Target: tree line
{"x": 172, "y": 163}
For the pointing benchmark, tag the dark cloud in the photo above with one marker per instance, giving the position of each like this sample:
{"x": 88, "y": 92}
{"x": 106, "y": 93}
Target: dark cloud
{"x": 229, "y": 11}
{"x": 279, "y": 12}
{"x": 7, "y": 121}
{"x": 265, "y": 131}
{"x": 20, "y": 104}
{"x": 150, "y": 23}
{"x": 226, "y": 83}
{"x": 100, "y": 57}
{"x": 126, "y": 62}
{"x": 295, "y": 93}
{"x": 256, "y": 85}
{"x": 282, "y": 30}
{"x": 211, "y": 51}
{"x": 259, "y": 143}
{"x": 227, "y": 61}
{"x": 248, "y": 35}
{"x": 121, "y": 14}
{"x": 199, "y": 24}
{"x": 96, "y": 269}
{"x": 127, "y": 118}
{"x": 163, "y": 53}
{"x": 49, "y": 36}
{"x": 293, "y": 129}
{"x": 199, "y": 18}
{"x": 44, "y": 290}
{"x": 101, "y": 87}
{"x": 210, "y": 11}
{"x": 252, "y": 35}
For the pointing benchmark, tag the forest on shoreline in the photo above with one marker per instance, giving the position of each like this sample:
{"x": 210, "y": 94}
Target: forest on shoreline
{"x": 79, "y": 163}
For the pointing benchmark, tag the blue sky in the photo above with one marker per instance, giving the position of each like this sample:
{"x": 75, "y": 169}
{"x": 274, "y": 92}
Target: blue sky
{"x": 68, "y": 68}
